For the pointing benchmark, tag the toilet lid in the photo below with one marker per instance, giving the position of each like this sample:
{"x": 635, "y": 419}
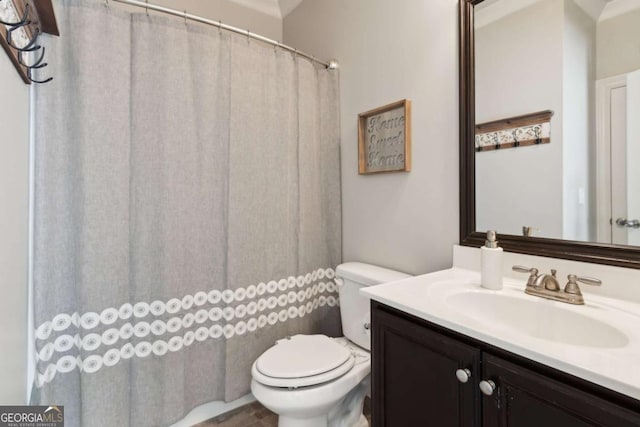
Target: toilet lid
{"x": 302, "y": 356}
{"x": 320, "y": 362}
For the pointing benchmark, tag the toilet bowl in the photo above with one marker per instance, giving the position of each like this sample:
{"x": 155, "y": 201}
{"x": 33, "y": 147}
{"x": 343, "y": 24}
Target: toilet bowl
{"x": 308, "y": 400}
{"x": 318, "y": 381}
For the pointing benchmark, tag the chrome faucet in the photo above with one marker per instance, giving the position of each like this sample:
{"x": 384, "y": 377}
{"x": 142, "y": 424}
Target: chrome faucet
{"x": 548, "y": 282}
{"x": 547, "y": 286}
{"x": 533, "y": 274}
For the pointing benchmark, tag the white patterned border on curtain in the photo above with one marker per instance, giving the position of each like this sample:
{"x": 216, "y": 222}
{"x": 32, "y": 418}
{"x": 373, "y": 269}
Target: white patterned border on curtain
{"x": 284, "y": 299}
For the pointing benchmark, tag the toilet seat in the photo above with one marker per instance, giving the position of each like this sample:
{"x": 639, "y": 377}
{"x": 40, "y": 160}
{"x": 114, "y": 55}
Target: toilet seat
{"x": 302, "y": 361}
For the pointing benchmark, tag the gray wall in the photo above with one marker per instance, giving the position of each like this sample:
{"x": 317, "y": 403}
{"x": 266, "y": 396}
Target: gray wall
{"x": 390, "y": 50}
{"x": 14, "y": 211}
{"x": 14, "y": 185}
{"x": 623, "y": 32}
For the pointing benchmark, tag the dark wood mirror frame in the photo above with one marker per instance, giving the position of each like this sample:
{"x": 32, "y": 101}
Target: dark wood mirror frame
{"x": 618, "y": 255}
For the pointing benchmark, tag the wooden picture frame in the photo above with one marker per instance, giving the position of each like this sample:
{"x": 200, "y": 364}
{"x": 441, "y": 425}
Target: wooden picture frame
{"x": 384, "y": 139}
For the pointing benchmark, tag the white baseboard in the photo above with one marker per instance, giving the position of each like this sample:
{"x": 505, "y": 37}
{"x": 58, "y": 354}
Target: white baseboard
{"x": 212, "y": 409}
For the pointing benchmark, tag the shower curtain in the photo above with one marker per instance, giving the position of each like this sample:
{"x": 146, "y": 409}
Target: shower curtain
{"x": 187, "y": 213}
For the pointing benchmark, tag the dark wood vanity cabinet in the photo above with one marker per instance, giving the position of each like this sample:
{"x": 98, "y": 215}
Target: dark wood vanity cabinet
{"x": 525, "y": 398}
{"x": 414, "y": 383}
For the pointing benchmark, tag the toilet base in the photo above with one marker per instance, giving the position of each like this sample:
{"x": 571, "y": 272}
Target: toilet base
{"x": 363, "y": 422}
{"x": 284, "y": 421}
{"x": 321, "y": 421}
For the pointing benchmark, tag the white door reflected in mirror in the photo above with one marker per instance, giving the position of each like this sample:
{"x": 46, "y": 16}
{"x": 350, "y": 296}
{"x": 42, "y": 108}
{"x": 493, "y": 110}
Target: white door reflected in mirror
{"x": 618, "y": 145}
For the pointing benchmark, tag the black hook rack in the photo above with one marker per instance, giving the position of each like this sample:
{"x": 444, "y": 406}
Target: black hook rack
{"x": 31, "y": 45}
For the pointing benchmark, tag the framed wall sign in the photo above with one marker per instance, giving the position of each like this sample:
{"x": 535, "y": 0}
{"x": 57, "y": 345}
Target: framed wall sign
{"x": 384, "y": 139}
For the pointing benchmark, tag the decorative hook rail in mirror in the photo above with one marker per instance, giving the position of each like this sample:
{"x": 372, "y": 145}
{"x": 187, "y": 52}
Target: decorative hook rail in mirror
{"x": 23, "y": 21}
{"x": 599, "y": 253}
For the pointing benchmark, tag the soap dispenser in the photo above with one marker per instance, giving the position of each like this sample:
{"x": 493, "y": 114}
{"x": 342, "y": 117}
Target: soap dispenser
{"x": 491, "y": 260}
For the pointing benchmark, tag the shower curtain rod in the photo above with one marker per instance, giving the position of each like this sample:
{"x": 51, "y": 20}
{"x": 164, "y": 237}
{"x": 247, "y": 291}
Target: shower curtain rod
{"x": 331, "y": 65}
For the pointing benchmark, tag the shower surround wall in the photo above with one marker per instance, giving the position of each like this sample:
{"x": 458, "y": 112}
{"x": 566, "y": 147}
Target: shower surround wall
{"x": 187, "y": 213}
{"x": 14, "y": 214}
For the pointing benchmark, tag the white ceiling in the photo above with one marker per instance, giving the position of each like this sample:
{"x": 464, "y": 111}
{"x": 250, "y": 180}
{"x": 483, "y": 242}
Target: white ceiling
{"x": 276, "y": 8}
{"x": 599, "y": 10}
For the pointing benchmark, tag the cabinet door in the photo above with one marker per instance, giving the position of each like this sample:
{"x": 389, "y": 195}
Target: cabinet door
{"x": 414, "y": 376}
{"x": 523, "y": 398}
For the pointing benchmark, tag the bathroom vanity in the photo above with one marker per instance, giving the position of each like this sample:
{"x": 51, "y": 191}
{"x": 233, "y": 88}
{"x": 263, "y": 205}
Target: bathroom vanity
{"x": 415, "y": 383}
{"x": 446, "y": 352}
{"x": 449, "y": 353}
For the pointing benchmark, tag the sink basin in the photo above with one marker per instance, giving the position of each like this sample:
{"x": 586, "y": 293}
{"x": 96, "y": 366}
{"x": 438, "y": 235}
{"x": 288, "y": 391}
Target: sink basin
{"x": 541, "y": 318}
{"x": 598, "y": 341}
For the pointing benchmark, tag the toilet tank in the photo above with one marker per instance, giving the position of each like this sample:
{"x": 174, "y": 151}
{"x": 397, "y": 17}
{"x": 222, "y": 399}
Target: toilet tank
{"x": 355, "y": 309}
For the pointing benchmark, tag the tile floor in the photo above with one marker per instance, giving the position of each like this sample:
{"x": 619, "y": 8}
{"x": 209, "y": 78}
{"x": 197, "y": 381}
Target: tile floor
{"x": 251, "y": 415}
{"x": 256, "y": 415}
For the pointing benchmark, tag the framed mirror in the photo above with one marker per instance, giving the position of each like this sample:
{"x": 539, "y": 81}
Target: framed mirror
{"x": 548, "y": 143}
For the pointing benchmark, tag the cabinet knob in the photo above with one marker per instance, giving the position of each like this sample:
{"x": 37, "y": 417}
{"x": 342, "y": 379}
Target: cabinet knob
{"x": 487, "y": 387}
{"x": 463, "y": 375}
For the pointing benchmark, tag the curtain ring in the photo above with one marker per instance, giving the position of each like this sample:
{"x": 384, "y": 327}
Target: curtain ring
{"x": 185, "y": 17}
{"x": 248, "y": 37}
{"x": 220, "y": 28}
{"x": 106, "y": 3}
{"x": 276, "y": 46}
{"x": 146, "y": 8}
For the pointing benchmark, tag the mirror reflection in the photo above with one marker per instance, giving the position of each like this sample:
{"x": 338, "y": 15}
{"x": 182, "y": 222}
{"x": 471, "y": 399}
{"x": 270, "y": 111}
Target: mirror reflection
{"x": 558, "y": 119}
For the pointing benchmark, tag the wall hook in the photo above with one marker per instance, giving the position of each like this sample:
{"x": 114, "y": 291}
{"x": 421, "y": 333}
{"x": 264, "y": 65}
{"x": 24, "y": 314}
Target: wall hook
{"x": 37, "y": 81}
{"x": 36, "y": 64}
{"x": 22, "y": 21}
{"x": 30, "y": 47}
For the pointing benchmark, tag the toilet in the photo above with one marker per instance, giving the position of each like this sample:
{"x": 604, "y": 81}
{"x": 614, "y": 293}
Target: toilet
{"x": 318, "y": 381}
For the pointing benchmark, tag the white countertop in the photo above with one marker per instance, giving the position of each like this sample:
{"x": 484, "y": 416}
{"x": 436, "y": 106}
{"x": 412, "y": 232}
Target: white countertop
{"x": 616, "y": 367}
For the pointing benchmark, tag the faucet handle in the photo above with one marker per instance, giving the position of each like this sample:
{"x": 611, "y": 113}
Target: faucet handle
{"x": 533, "y": 273}
{"x": 521, "y": 269}
{"x": 572, "y": 285}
